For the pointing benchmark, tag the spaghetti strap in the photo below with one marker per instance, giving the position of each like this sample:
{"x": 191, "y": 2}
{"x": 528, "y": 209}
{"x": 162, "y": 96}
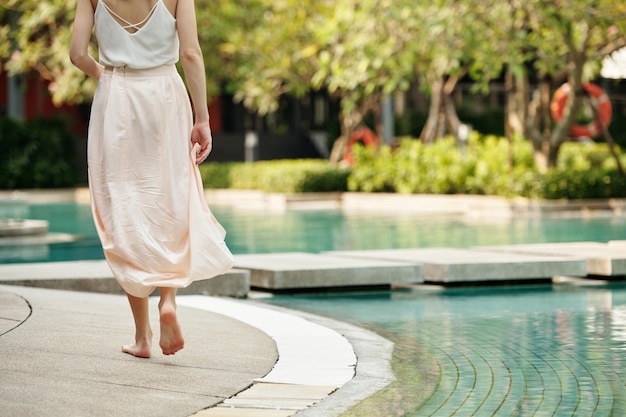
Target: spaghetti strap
{"x": 154, "y": 39}
{"x": 129, "y": 25}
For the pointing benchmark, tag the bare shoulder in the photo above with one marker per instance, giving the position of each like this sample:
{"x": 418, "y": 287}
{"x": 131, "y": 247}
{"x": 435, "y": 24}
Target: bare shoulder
{"x": 171, "y": 6}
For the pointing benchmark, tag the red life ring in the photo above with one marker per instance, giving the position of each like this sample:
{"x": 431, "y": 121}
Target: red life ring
{"x": 600, "y": 100}
{"x": 362, "y": 135}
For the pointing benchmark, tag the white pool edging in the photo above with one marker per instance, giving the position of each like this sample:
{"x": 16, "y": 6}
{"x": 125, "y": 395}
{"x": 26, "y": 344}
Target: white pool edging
{"x": 309, "y": 354}
{"x": 312, "y": 353}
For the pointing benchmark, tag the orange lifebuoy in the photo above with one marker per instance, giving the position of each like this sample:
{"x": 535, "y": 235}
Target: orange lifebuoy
{"x": 599, "y": 99}
{"x": 362, "y": 135}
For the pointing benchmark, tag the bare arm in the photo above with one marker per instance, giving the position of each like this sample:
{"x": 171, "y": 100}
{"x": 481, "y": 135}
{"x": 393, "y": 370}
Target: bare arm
{"x": 81, "y": 34}
{"x": 193, "y": 65}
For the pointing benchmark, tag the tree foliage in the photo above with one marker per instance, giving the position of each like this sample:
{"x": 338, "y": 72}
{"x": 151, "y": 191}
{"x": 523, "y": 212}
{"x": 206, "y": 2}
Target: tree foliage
{"x": 39, "y": 40}
{"x": 457, "y": 41}
{"x": 273, "y": 54}
{"x": 360, "y": 50}
{"x": 356, "y": 50}
{"x": 565, "y": 42}
{"x": 35, "y": 36}
{"x": 217, "y": 21}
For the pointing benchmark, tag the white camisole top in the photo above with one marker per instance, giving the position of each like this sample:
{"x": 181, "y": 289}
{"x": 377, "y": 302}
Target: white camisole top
{"x": 154, "y": 43}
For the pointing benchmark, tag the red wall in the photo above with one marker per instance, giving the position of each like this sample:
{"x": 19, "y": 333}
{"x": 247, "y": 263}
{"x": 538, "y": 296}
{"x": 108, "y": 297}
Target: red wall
{"x": 215, "y": 113}
{"x": 4, "y": 93}
{"x": 38, "y": 102}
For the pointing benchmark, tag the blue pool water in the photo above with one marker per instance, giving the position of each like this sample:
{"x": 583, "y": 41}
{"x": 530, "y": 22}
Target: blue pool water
{"x": 316, "y": 231}
{"x": 547, "y": 350}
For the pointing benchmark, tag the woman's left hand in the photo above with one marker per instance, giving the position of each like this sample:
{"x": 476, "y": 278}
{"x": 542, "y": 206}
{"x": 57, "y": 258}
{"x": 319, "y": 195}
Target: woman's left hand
{"x": 201, "y": 134}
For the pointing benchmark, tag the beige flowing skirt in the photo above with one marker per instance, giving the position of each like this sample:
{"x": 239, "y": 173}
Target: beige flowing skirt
{"x": 146, "y": 191}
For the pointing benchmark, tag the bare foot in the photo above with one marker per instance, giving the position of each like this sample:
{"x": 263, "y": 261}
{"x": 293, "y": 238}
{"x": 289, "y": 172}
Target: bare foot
{"x": 141, "y": 348}
{"x": 171, "y": 336}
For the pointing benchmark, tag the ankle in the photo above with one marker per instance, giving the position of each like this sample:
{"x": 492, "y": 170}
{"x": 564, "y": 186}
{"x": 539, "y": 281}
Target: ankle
{"x": 167, "y": 304}
{"x": 143, "y": 337}
{"x": 168, "y": 298}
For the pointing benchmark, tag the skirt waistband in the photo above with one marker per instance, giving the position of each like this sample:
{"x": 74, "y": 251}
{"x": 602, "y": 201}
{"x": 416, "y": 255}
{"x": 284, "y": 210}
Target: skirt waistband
{"x": 144, "y": 72}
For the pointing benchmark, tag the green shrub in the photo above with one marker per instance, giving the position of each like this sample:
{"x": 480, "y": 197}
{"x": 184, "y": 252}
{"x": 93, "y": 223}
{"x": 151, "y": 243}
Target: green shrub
{"x": 216, "y": 174}
{"x": 440, "y": 168}
{"x": 411, "y": 168}
{"x": 286, "y": 176}
{"x": 594, "y": 183}
{"x": 325, "y": 180}
{"x": 374, "y": 170}
{"x": 585, "y": 156}
{"x": 489, "y": 169}
{"x": 479, "y": 167}
{"x": 37, "y": 154}
{"x": 526, "y": 183}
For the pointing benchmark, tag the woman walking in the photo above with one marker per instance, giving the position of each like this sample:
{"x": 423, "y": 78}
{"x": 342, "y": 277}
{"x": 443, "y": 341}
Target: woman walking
{"x": 143, "y": 147}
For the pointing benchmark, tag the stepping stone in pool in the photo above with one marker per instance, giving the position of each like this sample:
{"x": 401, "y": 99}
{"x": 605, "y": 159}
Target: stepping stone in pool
{"x": 603, "y": 260}
{"x": 448, "y": 265}
{"x": 289, "y": 271}
{"x": 96, "y": 276}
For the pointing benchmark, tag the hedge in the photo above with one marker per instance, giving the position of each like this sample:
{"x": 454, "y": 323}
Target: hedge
{"x": 479, "y": 167}
{"x": 482, "y": 167}
{"x": 281, "y": 176}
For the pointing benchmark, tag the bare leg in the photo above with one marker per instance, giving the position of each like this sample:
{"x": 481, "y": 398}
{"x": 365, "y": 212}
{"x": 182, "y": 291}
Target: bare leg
{"x": 143, "y": 332}
{"x": 171, "y": 336}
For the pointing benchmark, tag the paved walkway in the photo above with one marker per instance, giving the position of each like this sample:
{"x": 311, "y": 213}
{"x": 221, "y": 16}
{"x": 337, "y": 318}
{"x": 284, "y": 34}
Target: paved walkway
{"x": 60, "y": 356}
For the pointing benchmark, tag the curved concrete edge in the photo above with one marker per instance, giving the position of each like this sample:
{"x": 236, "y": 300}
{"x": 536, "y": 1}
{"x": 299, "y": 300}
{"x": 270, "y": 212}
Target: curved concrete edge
{"x": 317, "y": 372}
{"x": 373, "y": 371}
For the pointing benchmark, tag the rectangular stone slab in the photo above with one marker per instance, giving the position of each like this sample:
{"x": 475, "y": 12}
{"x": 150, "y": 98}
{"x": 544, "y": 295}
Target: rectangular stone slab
{"x": 464, "y": 265}
{"x": 282, "y": 271}
{"x": 96, "y": 276}
{"x": 603, "y": 259}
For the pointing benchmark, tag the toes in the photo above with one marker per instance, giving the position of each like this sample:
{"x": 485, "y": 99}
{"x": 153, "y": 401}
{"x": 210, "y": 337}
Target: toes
{"x": 171, "y": 350}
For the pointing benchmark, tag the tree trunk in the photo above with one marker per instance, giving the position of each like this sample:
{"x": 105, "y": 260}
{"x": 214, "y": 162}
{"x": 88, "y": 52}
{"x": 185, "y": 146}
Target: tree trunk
{"x": 442, "y": 115}
{"x": 560, "y": 133}
{"x": 516, "y": 108}
{"x": 430, "y": 130}
{"x": 350, "y": 120}
{"x": 509, "y": 105}
{"x": 607, "y": 135}
{"x": 517, "y": 103}
{"x": 535, "y": 132}
{"x": 452, "y": 118}
{"x": 547, "y": 140}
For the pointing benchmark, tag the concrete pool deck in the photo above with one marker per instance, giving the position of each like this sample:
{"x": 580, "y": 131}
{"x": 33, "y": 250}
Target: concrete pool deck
{"x": 61, "y": 356}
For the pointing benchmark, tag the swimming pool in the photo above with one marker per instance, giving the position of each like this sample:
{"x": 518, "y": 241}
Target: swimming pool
{"x": 325, "y": 230}
{"x": 557, "y": 350}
